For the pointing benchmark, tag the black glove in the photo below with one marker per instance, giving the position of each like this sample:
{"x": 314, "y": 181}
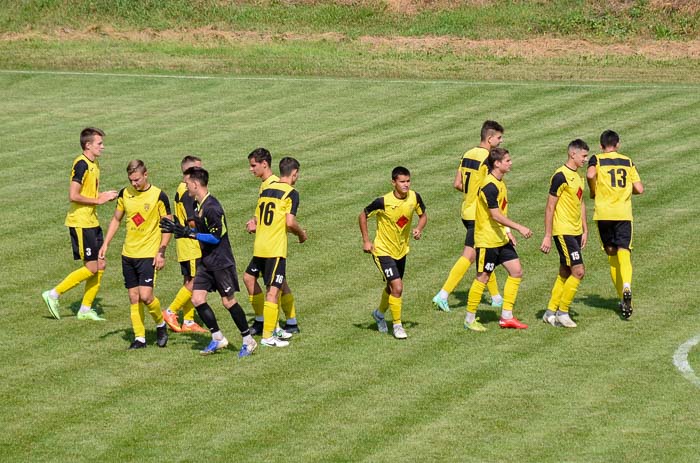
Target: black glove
{"x": 169, "y": 226}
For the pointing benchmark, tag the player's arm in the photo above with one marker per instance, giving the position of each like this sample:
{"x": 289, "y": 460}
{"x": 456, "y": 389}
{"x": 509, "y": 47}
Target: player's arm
{"x": 111, "y": 231}
{"x": 458, "y": 180}
{"x": 75, "y": 196}
{"x": 637, "y": 188}
{"x": 367, "y": 245}
{"x": 294, "y": 227}
{"x": 584, "y": 224}
{"x": 422, "y": 221}
{"x": 591, "y": 174}
{"x": 498, "y": 216}
{"x": 552, "y": 201}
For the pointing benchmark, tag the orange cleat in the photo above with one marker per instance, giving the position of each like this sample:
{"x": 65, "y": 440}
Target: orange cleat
{"x": 512, "y": 323}
{"x": 171, "y": 321}
{"x": 193, "y": 328}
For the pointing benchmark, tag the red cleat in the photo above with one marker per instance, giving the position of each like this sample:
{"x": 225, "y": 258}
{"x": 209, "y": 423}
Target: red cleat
{"x": 512, "y": 323}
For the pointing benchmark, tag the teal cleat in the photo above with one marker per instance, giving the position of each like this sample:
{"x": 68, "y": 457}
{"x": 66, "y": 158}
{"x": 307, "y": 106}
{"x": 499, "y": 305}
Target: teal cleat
{"x": 90, "y": 315}
{"x": 52, "y": 304}
{"x": 441, "y": 303}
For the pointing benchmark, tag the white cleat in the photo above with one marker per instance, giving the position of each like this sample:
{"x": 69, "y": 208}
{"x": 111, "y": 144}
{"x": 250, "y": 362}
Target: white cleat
{"x": 274, "y": 341}
{"x": 399, "y": 332}
{"x": 565, "y": 320}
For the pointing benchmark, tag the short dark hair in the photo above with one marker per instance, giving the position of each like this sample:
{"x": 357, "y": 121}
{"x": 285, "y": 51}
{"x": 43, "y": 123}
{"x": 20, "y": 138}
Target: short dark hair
{"x": 287, "y": 166}
{"x": 399, "y": 170}
{"x": 578, "y": 144}
{"x": 198, "y": 174}
{"x": 488, "y": 128}
{"x": 496, "y": 154}
{"x": 134, "y": 166}
{"x": 88, "y": 134}
{"x": 189, "y": 159}
{"x": 609, "y": 138}
{"x": 260, "y": 155}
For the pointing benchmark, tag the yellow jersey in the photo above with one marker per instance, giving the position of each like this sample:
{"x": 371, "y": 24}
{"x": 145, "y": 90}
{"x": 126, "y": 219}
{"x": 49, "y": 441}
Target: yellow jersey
{"x": 187, "y": 249}
{"x": 568, "y": 186}
{"x": 394, "y": 217}
{"x": 615, "y": 174}
{"x": 87, "y": 174}
{"x": 473, "y": 170}
{"x": 142, "y": 211}
{"x": 274, "y": 203}
{"x": 488, "y": 233}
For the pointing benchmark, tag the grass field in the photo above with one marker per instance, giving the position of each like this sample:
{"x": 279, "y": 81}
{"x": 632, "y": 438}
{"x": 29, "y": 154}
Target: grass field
{"x": 606, "y": 391}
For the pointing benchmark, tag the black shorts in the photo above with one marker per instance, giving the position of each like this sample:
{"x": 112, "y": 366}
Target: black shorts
{"x": 225, "y": 281}
{"x": 86, "y": 242}
{"x": 617, "y": 233}
{"x": 469, "y": 225}
{"x": 488, "y": 258}
{"x": 138, "y": 272}
{"x": 569, "y": 247}
{"x": 273, "y": 269}
{"x": 188, "y": 268}
{"x": 391, "y": 268}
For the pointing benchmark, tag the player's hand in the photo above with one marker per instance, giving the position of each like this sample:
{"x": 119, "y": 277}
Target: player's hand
{"x": 368, "y": 247}
{"x": 158, "y": 262}
{"x": 417, "y": 233}
{"x": 511, "y": 238}
{"x": 170, "y": 226}
{"x": 546, "y": 245}
{"x": 251, "y": 225}
{"x": 106, "y": 196}
{"x": 526, "y": 232}
{"x": 102, "y": 252}
{"x": 303, "y": 236}
{"x": 584, "y": 239}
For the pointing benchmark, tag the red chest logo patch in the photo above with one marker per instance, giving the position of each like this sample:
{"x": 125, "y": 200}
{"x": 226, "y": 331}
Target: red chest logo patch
{"x": 579, "y": 193}
{"x": 402, "y": 221}
{"x": 138, "y": 219}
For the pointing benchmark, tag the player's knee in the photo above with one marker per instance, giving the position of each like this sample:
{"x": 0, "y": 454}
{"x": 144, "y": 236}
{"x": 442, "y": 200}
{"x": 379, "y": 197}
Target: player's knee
{"x": 198, "y": 300}
{"x": 516, "y": 273}
{"x": 611, "y": 250}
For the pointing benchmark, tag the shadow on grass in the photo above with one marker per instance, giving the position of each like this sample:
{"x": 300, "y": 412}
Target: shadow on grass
{"x": 96, "y": 306}
{"x": 372, "y": 326}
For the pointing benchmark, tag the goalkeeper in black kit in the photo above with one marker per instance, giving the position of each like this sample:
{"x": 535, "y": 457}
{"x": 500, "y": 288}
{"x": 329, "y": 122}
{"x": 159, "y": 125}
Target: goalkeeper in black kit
{"x": 216, "y": 271}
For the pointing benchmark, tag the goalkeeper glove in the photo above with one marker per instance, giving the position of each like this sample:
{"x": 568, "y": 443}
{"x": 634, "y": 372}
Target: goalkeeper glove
{"x": 169, "y": 226}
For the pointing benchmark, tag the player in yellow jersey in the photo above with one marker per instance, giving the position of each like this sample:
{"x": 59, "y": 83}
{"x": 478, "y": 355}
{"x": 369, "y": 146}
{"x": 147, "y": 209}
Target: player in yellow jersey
{"x": 188, "y": 252}
{"x": 85, "y": 232}
{"x": 394, "y": 212}
{"x": 565, "y": 220}
{"x": 471, "y": 172}
{"x": 613, "y": 179}
{"x": 260, "y": 162}
{"x": 495, "y": 244}
{"x": 276, "y": 216}
{"x": 216, "y": 270}
{"x": 143, "y": 252}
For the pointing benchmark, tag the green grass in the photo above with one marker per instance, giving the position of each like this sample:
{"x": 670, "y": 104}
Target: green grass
{"x": 607, "y": 391}
{"x": 616, "y": 20}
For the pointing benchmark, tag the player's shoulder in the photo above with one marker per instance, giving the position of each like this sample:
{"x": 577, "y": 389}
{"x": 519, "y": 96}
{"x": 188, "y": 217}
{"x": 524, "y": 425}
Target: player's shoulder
{"x": 478, "y": 153}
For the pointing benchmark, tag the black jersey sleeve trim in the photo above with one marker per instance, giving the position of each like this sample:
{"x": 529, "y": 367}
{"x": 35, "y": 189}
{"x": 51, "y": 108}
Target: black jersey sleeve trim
{"x": 421, "y": 204}
{"x": 491, "y": 194}
{"x": 376, "y": 205}
{"x": 558, "y": 180}
{"x": 294, "y": 197}
{"x": 163, "y": 198}
{"x": 79, "y": 171}
{"x": 593, "y": 161}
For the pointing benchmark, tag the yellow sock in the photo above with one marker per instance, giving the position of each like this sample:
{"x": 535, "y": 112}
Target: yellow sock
{"x": 395, "y": 307}
{"x": 384, "y": 302}
{"x": 510, "y": 292}
{"x": 288, "y": 307}
{"x": 188, "y": 311}
{"x": 624, "y": 257}
{"x": 567, "y": 296}
{"x": 474, "y": 297}
{"x": 258, "y": 303}
{"x": 137, "y": 319}
{"x": 459, "y": 269}
{"x": 182, "y": 297}
{"x": 155, "y": 311}
{"x": 92, "y": 285}
{"x": 74, "y": 279}
{"x": 492, "y": 285}
{"x": 615, "y": 274}
{"x": 270, "y": 322}
{"x": 555, "y": 299}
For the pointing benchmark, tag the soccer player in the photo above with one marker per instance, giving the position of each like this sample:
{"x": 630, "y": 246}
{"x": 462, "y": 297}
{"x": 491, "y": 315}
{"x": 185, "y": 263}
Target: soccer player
{"x": 276, "y": 215}
{"x": 394, "y": 212}
{"x": 84, "y": 228}
{"x": 613, "y": 179}
{"x": 188, "y": 253}
{"x": 494, "y": 243}
{"x": 471, "y": 172}
{"x": 216, "y": 270}
{"x": 260, "y": 161}
{"x": 143, "y": 252}
{"x": 565, "y": 219}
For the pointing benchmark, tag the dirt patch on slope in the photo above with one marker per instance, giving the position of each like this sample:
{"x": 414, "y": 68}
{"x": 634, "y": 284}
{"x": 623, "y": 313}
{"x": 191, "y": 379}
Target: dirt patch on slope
{"x": 533, "y": 48}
